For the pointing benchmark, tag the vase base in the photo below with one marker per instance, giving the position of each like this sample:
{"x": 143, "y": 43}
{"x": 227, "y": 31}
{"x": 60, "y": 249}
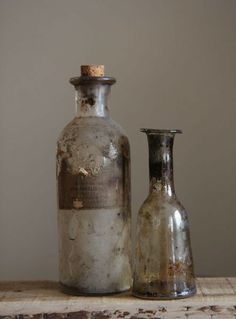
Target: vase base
{"x": 159, "y": 296}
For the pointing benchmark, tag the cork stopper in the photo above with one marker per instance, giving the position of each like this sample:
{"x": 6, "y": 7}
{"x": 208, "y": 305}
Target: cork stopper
{"x": 92, "y": 70}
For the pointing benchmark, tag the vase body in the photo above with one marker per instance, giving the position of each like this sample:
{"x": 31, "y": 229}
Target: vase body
{"x": 93, "y": 184}
{"x": 163, "y": 265}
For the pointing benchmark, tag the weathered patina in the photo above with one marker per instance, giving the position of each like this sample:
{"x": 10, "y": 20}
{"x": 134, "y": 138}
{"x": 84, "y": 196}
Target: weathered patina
{"x": 163, "y": 267}
{"x": 93, "y": 173}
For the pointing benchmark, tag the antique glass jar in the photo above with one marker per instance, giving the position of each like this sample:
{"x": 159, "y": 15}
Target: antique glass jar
{"x": 93, "y": 183}
{"x": 163, "y": 265}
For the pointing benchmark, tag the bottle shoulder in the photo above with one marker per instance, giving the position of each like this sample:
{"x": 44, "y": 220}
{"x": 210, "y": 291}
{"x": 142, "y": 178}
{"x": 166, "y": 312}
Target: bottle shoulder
{"x": 162, "y": 205}
{"x": 88, "y": 127}
{"x": 164, "y": 214}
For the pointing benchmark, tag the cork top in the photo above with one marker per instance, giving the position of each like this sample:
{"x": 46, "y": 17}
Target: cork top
{"x": 92, "y": 74}
{"x": 92, "y": 70}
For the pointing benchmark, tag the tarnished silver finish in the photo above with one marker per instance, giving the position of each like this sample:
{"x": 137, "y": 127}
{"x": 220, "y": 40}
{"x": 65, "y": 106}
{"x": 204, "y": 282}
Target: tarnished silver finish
{"x": 163, "y": 266}
{"x": 93, "y": 174}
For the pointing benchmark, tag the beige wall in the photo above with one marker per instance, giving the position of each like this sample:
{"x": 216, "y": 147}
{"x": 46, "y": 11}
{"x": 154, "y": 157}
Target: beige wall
{"x": 175, "y": 62}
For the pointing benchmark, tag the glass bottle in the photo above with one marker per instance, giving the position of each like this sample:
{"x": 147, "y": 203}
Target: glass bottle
{"x": 93, "y": 184}
{"x": 163, "y": 265}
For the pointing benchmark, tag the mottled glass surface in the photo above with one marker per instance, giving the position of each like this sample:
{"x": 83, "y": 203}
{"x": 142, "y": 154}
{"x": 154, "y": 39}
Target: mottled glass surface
{"x": 93, "y": 183}
{"x": 163, "y": 265}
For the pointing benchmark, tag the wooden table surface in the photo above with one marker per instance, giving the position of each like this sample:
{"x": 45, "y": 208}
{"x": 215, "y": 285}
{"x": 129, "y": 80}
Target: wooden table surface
{"x": 216, "y": 298}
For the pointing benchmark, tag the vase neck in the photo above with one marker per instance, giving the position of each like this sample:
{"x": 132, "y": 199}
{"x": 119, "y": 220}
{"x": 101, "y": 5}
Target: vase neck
{"x": 91, "y": 96}
{"x": 161, "y": 161}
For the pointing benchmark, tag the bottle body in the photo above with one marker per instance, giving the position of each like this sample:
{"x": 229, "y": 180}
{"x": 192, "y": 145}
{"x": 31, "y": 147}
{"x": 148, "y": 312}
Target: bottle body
{"x": 163, "y": 267}
{"x": 163, "y": 258}
{"x": 93, "y": 180}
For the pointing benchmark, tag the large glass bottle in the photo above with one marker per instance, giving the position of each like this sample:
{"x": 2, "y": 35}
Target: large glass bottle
{"x": 93, "y": 178}
{"x": 163, "y": 266}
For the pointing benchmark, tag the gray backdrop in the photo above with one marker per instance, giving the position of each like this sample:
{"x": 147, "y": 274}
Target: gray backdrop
{"x": 175, "y": 62}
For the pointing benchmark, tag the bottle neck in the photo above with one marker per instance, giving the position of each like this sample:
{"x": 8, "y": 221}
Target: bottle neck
{"x": 91, "y": 99}
{"x": 161, "y": 163}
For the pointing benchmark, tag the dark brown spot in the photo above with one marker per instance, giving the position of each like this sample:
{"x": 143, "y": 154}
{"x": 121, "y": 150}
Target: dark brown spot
{"x": 163, "y": 309}
{"x": 78, "y": 315}
{"x": 56, "y": 316}
{"x": 91, "y": 101}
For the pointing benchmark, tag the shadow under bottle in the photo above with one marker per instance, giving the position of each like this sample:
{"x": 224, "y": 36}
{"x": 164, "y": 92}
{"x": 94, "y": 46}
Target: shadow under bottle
{"x": 163, "y": 265}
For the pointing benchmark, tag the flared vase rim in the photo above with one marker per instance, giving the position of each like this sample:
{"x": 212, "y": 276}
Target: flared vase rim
{"x": 160, "y": 131}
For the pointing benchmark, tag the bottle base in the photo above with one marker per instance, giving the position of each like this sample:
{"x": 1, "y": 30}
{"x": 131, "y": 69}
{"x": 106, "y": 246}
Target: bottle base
{"x": 77, "y": 292}
{"x": 159, "y": 296}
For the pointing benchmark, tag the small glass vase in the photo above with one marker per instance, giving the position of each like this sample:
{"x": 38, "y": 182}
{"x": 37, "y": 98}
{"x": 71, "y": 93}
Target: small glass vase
{"x": 163, "y": 265}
